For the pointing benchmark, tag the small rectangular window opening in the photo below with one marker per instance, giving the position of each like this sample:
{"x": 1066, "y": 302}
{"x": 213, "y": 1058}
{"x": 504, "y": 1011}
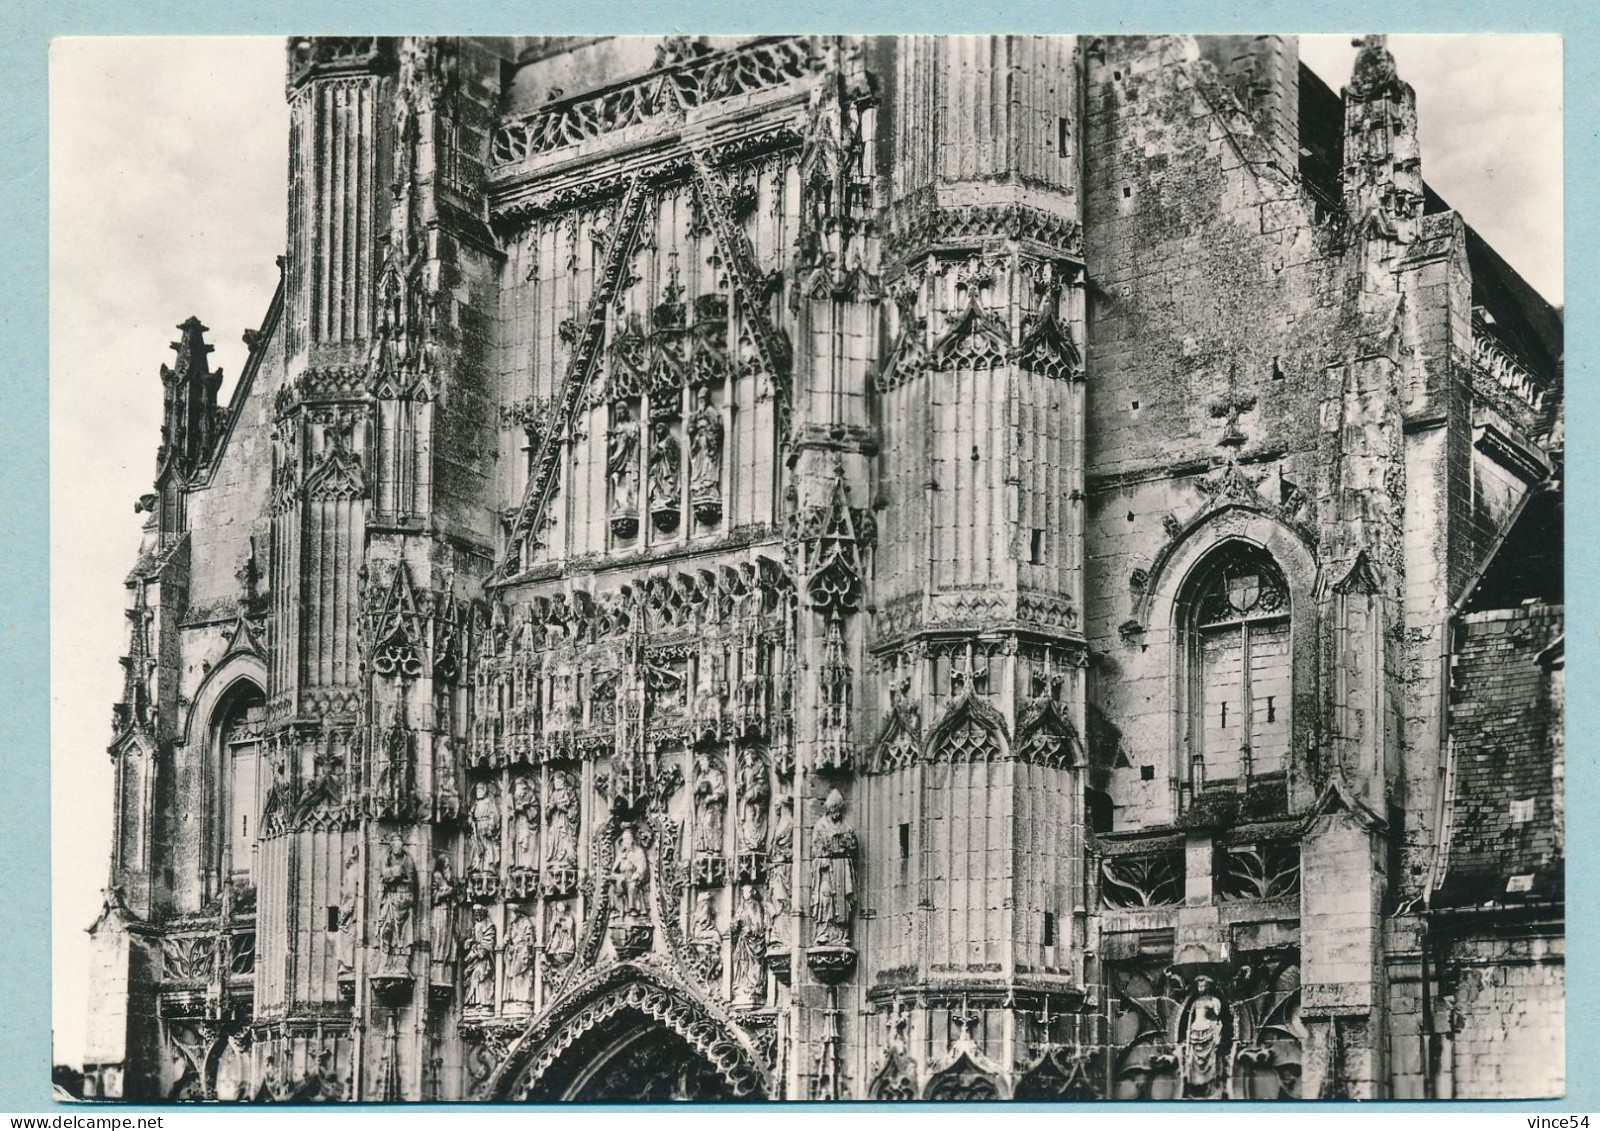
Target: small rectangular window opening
{"x": 1224, "y": 714}
{"x": 333, "y": 920}
{"x": 1147, "y": 773}
{"x": 1127, "y": 191}
{"x": 905, "y": 841}
{"x": 1036, "y": 547}
{"x": 1049, "y": 929}
{"x": 1272, "y": 710}
{"x": 1063, "y": 137}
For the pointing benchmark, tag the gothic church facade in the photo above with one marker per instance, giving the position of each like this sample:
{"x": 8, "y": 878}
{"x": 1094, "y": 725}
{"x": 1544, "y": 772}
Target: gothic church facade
{"x": 827, "y": 568}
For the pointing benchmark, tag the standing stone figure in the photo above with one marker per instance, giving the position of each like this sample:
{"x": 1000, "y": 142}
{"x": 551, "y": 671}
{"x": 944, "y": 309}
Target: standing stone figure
{"x": 444, "y": 776}
{"x": 704, "y": 936}
{"x": 485, "y": 830}
{"x": 622, "y": 461}
{"x": 561, "y": 823}
{"x": 629, "y": 876}
{"x": 518, "y": 957}
{"x": 443, "y": 923}
{"x": 560, "y": 937}
{"x": 749, "y": 936}
{"x": 398, "y": 885}
{"x": 710, "y": 806}
{"x": 834, "y": 848}
{"x": 705, "y": 457}
{"x": 349, "y": 887}
{"x": 1203, "y": 1054}
{"x": 478, "y": 965}
{"x": 666, "y": 469}
{"x": 755, "y": 792}
{"x": 524, "y": 824}
{"x": 778, "y": 878}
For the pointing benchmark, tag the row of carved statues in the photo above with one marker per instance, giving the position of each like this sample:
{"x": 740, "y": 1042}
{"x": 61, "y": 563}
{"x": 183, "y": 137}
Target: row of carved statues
{"x": 833, "y": 861}
{"x": 662, "y": 468}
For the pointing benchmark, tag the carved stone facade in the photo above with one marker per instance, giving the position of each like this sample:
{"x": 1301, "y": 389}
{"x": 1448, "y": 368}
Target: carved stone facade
{"x": 822, "y": 568}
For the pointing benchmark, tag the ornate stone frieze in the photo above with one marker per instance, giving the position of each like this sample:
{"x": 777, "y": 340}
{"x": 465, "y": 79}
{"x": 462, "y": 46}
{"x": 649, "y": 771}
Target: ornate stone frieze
{"x": 688, "y": 83}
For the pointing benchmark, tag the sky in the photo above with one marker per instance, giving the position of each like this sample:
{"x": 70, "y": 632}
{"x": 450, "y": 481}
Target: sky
{"x": 167, "y": 199}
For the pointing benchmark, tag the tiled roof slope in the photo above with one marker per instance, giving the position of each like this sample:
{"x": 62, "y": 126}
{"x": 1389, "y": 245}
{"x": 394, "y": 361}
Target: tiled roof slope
{"x": 1505, "y": 838}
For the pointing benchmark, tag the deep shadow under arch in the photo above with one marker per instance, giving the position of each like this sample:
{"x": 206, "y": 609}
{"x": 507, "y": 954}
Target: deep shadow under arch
{"x": 632, "y": 1032}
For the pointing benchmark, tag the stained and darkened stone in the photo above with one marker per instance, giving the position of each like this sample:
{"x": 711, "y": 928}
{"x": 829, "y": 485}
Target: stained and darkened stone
{"x": 944, "y": 567}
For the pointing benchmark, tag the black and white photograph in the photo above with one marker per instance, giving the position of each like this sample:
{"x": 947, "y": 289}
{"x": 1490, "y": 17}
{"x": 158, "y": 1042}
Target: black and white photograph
{"x": 807, "y": 567}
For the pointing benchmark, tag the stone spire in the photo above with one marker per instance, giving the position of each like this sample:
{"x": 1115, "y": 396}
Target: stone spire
{"x": 189, "y": 425}
{"x": 1382, "y": 162}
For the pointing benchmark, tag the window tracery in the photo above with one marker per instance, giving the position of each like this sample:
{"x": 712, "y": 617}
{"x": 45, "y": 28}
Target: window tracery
{"x": 1237, "y": 669}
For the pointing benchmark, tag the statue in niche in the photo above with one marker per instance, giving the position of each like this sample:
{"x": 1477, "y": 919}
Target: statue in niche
{"x": 560, "y": 936}
{"x": 710, "y": 805}
{"x": 834, "y": 849}
{"x": 349, "y": 887}
{"x": 561, "y": 823}
{"x": 666, "y": 470}
{"x": 622, "y": 469}
{"x": 478, "y": 966}
{"x": 394, "y": 771}
{"x": 778, "y": 878}
{"x": 397, "y": 878}
{"x": 705, "y": 458}
{"x": 444, "y": 773}
{"x": 630, "y": 876}
{"x": 1204, "y": 1035}
{"x": 518, "y": 957}
{"x": 755, "y": 792}
{"x": 749, "y": 936}
{"x": 524, "y": 824}
{"x": 704, "y": 935}
{"x": 443, "y": 924}
{"x": 485, "y": 830}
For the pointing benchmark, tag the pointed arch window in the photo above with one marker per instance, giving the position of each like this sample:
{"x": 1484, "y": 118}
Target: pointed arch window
{"x": 1238, "y": 669}
{"x": 239, "y": 784}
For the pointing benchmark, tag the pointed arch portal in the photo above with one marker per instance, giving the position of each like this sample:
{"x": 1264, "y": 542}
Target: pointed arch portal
{"x": 633, "y": 1035}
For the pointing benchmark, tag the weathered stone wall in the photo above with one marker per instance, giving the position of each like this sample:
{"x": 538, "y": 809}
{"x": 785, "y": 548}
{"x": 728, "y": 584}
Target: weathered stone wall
{"x": 1507, "y": 1016}
{"x": 669, "y": 435}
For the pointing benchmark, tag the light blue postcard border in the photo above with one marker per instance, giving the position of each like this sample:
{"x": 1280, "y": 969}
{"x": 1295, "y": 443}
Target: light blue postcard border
{"x": 24, "y": 524}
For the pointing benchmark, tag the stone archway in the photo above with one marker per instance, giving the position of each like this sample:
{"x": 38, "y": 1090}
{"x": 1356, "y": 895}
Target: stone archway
{"x": 632, "y": 1034}
{"x": 632, "y": 1059}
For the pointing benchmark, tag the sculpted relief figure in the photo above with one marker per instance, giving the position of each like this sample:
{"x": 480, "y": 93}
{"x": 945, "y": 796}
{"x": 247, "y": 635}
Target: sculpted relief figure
{"x": 622, "y": 466}
{"x": 519, "y": 957}
{"x": 710, "y": 806}
{"x": 524, "y": 824}
{"x": 560, "y": 937}
{"x": 442, "y": 926}
{"x": 705, "y": 457}
{"x": 755, "y": 792}
{"x": 485, "y": 830}
{"x": 477, "y": 973}
{"x": 749, "y": 936}
{"x": 444, "y": 774}
{"x": 704, "y": 935}
{"x": 779, "y": 881}
{"x": 398, "y": 883}
{"x": 630, "y": 876}
{"x": 666, "y": 472}
{"x": 834, "y": 849}
{"x": 1203, "y": 1054}
{"x": 561, "y": 824}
